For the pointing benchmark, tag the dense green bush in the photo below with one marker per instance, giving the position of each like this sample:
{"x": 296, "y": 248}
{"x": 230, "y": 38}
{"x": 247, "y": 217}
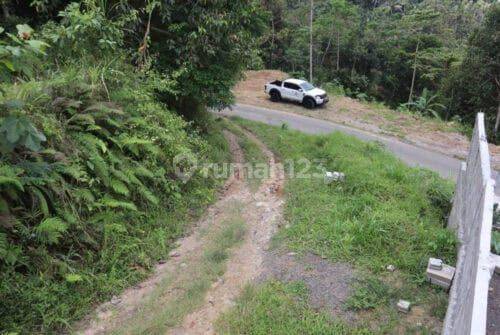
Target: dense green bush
{"x": 88, "y": 194}
{"x": 89, "y": 198}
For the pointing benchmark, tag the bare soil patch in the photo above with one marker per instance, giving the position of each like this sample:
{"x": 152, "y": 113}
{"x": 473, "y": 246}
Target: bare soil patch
{"x": 429, "y": 133}
{"x": 329, "y": 284}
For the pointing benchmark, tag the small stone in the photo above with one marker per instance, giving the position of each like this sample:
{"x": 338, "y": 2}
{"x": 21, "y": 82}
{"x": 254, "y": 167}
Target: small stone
{"x": 330, "y": 177}
{"x": 183, "y": 265}
{"x": 259, "y": 204}
{"x": 292, "y": 254}
{"x": 391, "y": 268}
{"x": 404, "y": 306}
{"x": 174, "y": 254}
{"x": 115, "y": 300}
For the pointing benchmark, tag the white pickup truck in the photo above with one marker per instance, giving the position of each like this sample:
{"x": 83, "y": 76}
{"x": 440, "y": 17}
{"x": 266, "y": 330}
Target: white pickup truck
{"x": 296, "y": 90}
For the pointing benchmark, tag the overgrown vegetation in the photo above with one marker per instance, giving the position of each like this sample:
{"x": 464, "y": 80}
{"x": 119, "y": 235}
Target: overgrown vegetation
{"x": 400, "y": 52}
{"x": 89, "y": 127}
{"x": 384, "y": 213}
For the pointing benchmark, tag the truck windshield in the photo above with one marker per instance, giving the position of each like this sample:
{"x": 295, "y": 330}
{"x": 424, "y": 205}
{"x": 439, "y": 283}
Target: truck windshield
{"x": 306, "y": 86}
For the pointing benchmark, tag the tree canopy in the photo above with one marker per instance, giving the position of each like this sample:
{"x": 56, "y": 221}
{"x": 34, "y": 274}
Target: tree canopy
{"x": 390, "y": 51}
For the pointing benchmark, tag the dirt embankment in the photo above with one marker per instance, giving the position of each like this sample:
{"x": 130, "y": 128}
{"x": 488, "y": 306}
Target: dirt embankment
{"x": 436, "y": 135}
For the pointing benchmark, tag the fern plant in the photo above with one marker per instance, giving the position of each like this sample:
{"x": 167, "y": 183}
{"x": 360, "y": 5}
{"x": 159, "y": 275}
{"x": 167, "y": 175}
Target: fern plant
{"x": 50, "y": 230}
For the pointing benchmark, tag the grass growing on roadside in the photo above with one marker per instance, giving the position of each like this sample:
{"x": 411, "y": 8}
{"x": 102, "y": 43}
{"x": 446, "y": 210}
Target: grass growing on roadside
{"x": 276, "y": 308}
{"x": 369, "y": 293}
{"x": 384, "y": 213}
{"x": 191, "y": 283}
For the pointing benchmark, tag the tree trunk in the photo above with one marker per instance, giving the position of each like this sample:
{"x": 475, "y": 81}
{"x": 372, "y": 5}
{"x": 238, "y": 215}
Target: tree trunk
{"x": 338, "y": 49}
{"x": 272, "y": 43}
{"x": 497, "y": 122}
{"x": 326, "y": 50}
{"x": 311, "y": 42}
{"x": 5, "y": 10}
{"x": 410, "y": 97}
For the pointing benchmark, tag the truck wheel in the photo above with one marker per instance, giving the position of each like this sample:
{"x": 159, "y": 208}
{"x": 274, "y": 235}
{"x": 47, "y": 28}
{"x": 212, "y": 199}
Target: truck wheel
{"x": 309, "y": 103}
{"x": 275, "y": 96}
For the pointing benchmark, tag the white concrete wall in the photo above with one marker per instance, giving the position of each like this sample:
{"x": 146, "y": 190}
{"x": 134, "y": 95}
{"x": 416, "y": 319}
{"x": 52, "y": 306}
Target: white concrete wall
{"x": 471, "y": 216}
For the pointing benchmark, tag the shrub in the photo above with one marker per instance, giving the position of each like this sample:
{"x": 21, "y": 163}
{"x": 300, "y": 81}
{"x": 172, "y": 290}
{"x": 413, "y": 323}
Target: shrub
{"x": 88, "y": 194}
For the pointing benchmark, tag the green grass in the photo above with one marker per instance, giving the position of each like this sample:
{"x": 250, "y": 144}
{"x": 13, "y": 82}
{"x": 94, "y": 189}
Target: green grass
{"x": 384, "y": 213}
{"x": 155, "y": 316}
{"x": 369, "y": 293}
{"x": 275, "y": 308}
{"x": 495, "y": 242}
{"x": 381, "y": 293}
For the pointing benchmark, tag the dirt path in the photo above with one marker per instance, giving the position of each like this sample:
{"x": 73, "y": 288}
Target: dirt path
{"x": 261, "y": 216}
{"x": 157, "y": 305}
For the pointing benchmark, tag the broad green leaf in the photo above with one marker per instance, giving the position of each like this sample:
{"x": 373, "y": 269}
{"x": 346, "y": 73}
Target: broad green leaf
{"x": 8, "y": 64}
{"x": 37, "y": 46}
{"x": 73, "y": 278}
{"x": 24, "y": 31}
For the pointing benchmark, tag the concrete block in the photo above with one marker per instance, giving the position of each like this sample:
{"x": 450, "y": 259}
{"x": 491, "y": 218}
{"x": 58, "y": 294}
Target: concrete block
{"x": 404, "y": 306}
{"x": 435, "y": 263}
{"x": 444, "y": 284}
{"x": 442, "y": 277}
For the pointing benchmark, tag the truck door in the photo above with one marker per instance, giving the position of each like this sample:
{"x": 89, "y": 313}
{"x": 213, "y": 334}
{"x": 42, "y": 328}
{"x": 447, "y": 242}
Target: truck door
{"x": 292, "y": 92}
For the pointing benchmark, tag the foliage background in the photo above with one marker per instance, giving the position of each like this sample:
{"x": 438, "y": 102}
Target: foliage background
{"x": 372, "y": 49}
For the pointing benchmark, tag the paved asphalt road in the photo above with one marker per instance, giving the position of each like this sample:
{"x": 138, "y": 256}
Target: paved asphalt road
{"x": 446, "y": 166}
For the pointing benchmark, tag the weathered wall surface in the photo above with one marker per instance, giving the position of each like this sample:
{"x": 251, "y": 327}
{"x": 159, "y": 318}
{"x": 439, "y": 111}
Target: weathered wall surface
{"x": 471, "y": 217}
